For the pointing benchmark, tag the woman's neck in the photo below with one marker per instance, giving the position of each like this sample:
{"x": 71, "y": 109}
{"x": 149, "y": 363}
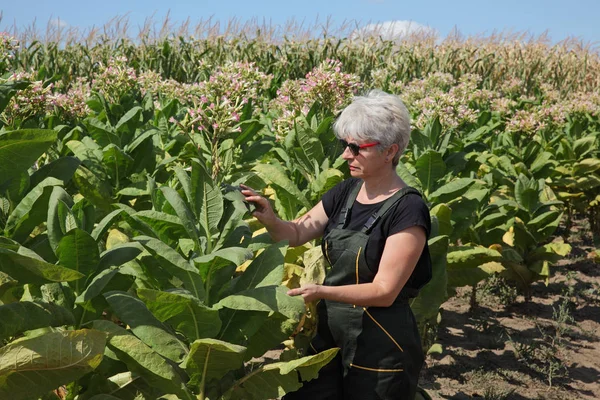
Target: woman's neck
{"x": 383, "y": 185}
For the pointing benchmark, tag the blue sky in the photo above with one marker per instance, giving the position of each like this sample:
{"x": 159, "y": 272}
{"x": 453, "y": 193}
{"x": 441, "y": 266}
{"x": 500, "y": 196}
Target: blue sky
{"x": 575, "y": 18}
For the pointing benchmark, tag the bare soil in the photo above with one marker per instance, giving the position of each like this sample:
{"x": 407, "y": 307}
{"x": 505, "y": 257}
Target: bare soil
{"x": 547, "y": 348}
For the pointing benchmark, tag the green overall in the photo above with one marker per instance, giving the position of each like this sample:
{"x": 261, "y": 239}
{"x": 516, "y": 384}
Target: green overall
{"x": 381, "y": 354}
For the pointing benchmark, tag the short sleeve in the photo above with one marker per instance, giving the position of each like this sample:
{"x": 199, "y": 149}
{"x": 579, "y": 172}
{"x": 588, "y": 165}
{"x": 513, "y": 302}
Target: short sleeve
{"x": 410, "y": 211}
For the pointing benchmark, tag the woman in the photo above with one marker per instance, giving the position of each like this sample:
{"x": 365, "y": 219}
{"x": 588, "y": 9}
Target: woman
{"x": 374, "y": 230}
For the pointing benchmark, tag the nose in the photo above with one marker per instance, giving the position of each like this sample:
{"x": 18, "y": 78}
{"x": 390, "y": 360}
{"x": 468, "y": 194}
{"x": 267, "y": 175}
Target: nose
{"x": 347, "y": 153}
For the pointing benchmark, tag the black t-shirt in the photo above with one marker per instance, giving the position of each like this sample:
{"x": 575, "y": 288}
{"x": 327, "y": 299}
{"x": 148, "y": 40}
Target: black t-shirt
{"x": 411, "y": 210}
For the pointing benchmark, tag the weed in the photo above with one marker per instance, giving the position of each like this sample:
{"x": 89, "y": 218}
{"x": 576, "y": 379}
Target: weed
{"x": 499, "y": 289}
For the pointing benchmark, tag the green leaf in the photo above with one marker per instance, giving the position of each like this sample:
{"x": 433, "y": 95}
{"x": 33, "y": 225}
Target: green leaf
{"x": 119, "y": 255}
{"x": 26, "y": 315}
{"x": 144, "y": 325}
{"x": 325, "y": 181}
{"x": 266, "y": 298}
{"x": 9, "y": 89}
{"x": 30, "y": 368}
{"x": 265, "y": 270}
{"x": 61, "y": 169}
{"x": 427, "y": 304}
{"x": 452, "y": 190}
{"x": 207, "y": 199}
{"x": 584, "y": 146}
{"x": 78, "y": 251}
{"x": 274, "y": 380}
{"x": 116, "y": 162}
{"x": 104, "y": 225}
{"x": 408, "y": 176}
{"x": 165, "y": 226}
{"x": 430, "y": 170}
{"x": 141, "y": 359}
{"x": 31, "y": 211}
{"x": 97, "y": 191}
{"x": 526, "y": 193}
{"x": 27, "y": 269}
{"x": 275, "y": 174}
{"x": 310, "y": 145}
{"x": 129, "y": 122}
{"x": 183, "y": 212}
{"x": 212, "y": 359}
{"x": 183, "y": 312}
{"x": 587, "y": 166}
{"x": 53, "y": 223}
{"x": 467, "y": 257}
{"x": 20, "y": 149}
{"x": 175, "y": 264}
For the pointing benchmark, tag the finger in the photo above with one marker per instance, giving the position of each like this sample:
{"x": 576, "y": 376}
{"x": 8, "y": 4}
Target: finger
{"x": 294, "y": 292}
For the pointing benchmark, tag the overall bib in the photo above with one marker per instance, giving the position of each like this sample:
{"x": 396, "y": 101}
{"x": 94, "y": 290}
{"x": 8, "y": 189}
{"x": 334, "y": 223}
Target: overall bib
{"x": 381, "y": 353}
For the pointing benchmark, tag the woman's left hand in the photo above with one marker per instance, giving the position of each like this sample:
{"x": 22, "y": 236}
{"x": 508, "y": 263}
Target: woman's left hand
{"x": 308, "y": 292}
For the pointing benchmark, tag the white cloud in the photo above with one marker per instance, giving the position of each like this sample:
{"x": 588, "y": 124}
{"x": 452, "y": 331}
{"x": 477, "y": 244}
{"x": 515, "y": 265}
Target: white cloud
{"x": 58, "y": 23}
{"x": 394, "y": 30}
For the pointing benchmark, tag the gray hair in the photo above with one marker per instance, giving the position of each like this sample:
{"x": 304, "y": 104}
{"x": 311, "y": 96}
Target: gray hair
{"x": 376, "y": 116}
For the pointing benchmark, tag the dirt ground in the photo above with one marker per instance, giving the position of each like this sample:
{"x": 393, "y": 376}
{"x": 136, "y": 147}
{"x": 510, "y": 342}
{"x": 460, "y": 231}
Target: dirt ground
{"x": 547, "y": 348}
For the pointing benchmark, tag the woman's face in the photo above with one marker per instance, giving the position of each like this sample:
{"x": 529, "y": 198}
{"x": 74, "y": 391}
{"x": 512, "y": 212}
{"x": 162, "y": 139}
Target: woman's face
{"x": 367, "y": 163}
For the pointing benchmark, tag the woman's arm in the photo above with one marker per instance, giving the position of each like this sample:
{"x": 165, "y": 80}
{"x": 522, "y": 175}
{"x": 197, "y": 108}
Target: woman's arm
{"x": 297, "y": 232}
{"x": 400, "y": 256}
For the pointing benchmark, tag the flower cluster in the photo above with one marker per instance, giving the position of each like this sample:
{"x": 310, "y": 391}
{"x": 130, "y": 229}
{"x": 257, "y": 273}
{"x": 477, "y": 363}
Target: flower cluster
{"x": 8, "y": 46}
{"x": 326, "y": 84}
{"x": 71, "y": 104}
{"x": 219, "y": 101}
{"x": 115, "y": 79}
{"x": 441, "y": 96}
{"x": 29, "y": 102}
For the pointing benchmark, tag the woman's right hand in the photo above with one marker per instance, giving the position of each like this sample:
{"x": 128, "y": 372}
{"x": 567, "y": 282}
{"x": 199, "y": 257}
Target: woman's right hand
{"x": 264, "y": 212}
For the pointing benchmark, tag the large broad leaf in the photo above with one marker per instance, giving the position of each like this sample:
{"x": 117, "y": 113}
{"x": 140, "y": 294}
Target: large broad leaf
{"x": 183, "y": 212}
{"x": 106, "y": 222}
{"x": 311, "y": 146}
{"x": 274, "y": 380}
{"x": 266, "y": 298}
{"x": 325, "y": 181}
{"x": 212, "y": 359}
{"x": 26, "y": 315}
{"x": 465, "y": 257}
{"x": 275, "y": 174}
{"x": 164, "y": 226}
{"x": 33, "y": 367}
{"x": 28, "y": 269}
{"x": 31, "y": 211}
{"x": 78, "y": 251}
{"x": 207, "y": 199}
{"x": 265, "y": 270}
{"x": 272, "y": 332}
{"x": 142, "y": 360}
{"x": 452, "y": 190}
{"x": 20, "y": 149}
{"x": 146, "y": 326}
{"x": 96, "y": 190}
{"x": 430, "y": 170}
{"x": 408, "y": 176}
{"x": 53, "y": 222}
{"x": 468, "y": 265}
{"x": 175, "y": 264}
{"x": 62, "y": 169}
{"x": 427, "y": 304}
{"x": 183, "y": 312}
{"x": 116, "y": 162}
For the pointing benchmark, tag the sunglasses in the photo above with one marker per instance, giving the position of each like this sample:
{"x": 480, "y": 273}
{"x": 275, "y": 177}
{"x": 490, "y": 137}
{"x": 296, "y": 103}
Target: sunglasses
{"x": 355, "y": 148}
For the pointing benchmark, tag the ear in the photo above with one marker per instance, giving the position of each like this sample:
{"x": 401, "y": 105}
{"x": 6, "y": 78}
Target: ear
{"x": 391, "y": 151}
